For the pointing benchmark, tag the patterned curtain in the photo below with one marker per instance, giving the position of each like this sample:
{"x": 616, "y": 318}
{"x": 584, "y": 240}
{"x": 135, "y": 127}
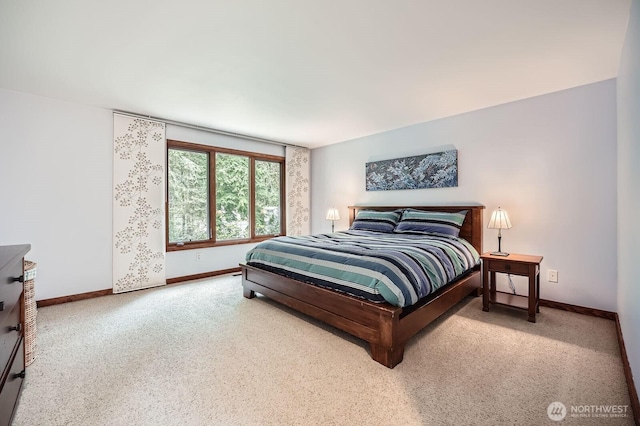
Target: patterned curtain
{"x": 297, "y": 166}
{"x": 139, "y": 203}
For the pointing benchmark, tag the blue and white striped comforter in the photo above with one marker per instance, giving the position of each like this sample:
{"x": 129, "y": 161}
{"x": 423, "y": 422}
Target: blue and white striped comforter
{"x": 398, "y": 269}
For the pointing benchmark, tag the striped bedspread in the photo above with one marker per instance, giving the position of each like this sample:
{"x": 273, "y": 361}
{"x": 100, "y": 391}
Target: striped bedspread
{"x": 398, "y": 269}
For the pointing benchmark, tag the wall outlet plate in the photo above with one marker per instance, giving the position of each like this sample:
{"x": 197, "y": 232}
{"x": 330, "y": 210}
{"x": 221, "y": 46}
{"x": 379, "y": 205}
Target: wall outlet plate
{"x": 552, "y": 276}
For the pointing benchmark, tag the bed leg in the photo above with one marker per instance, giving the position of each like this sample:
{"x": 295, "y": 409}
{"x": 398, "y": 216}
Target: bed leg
{"x": 248, "y": 293}
{"x": 389, "y": 357}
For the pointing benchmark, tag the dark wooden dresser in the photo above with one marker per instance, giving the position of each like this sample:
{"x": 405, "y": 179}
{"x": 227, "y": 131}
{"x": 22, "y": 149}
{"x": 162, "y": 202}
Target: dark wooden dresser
{"x": 11, "y": 328}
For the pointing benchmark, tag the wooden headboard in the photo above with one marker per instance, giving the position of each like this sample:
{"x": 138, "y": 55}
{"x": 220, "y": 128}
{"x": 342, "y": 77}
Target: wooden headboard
{"x": 471, "y": 227}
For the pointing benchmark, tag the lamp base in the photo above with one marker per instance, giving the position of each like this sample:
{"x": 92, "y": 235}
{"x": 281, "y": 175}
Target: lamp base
{"x": 499, "y": 253}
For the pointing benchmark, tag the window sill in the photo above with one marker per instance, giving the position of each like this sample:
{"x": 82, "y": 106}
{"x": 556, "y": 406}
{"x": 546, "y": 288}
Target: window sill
{"x": 192, "y": 245}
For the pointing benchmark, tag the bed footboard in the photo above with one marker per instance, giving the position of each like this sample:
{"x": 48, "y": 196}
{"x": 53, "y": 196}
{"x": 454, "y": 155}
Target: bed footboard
{"x": 385, "y": 327}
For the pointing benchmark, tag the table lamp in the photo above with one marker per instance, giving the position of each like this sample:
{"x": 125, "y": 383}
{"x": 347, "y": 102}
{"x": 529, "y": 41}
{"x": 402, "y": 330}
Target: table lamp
{"x": 499, "y": 220}
{"x": 333, "y": 215}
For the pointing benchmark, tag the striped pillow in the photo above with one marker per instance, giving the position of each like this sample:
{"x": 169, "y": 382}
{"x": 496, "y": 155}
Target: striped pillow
{"x": 370, "y": 220}
{"x": 424, "y": 222}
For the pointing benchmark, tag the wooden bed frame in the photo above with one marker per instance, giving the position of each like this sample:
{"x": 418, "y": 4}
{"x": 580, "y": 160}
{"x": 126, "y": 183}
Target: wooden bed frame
{"x": 385, "y": 327}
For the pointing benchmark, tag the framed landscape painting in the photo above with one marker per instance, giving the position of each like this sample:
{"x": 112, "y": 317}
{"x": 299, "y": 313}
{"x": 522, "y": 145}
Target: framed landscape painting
{"x": 437, "y": 170}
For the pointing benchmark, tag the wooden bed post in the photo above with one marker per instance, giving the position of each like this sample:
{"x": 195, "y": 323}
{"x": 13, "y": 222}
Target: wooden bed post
{"x": 387, "y": 357}
{"x": 247, "y": 292}
{"x": 352, "y": 215}
{"x": 390, "y": 351}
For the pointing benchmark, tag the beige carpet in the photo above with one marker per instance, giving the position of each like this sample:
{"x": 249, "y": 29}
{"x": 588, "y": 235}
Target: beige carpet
{"x": 201, "y": 354}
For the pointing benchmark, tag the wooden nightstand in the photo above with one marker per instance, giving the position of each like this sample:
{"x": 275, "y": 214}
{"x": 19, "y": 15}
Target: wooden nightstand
{"x": 516, "y": 264}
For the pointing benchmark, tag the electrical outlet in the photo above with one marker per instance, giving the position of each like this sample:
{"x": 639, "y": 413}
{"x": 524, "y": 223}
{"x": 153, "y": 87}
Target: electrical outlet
{"x": 552, "y": 276}
{"x": 198, "y": 256}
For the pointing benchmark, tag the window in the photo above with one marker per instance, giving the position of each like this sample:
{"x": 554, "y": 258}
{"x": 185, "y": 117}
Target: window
{"x": 219, "y": 196}
{"x": 188, "y": 195}
{"x": 232, "y": 197}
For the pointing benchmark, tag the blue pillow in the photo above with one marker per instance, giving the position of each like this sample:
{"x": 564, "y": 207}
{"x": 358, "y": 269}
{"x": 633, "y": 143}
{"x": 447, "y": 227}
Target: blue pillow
{"x": 426, "y": 222}
{"x": 370, "y": 220}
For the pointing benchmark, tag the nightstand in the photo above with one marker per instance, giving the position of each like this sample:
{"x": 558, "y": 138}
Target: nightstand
{"x": 515, "y": 264}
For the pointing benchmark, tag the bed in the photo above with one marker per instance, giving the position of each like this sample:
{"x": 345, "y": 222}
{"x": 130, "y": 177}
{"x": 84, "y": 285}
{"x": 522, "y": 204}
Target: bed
{"x": 385, "y": 326}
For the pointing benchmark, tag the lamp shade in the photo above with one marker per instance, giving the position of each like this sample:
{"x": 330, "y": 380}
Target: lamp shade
{"x": 499, "y": 220}
{"x": 333, "y": 214}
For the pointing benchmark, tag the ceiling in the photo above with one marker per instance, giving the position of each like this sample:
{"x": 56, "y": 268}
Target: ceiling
{"x": 307, "y": 72}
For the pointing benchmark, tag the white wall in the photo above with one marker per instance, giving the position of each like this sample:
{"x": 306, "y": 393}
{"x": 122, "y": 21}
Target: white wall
{"x": 57, "y": 168}
{"x": 550, "y": 161}
{"x": 56, "y": 187}
{"x": 629, "y": 189}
